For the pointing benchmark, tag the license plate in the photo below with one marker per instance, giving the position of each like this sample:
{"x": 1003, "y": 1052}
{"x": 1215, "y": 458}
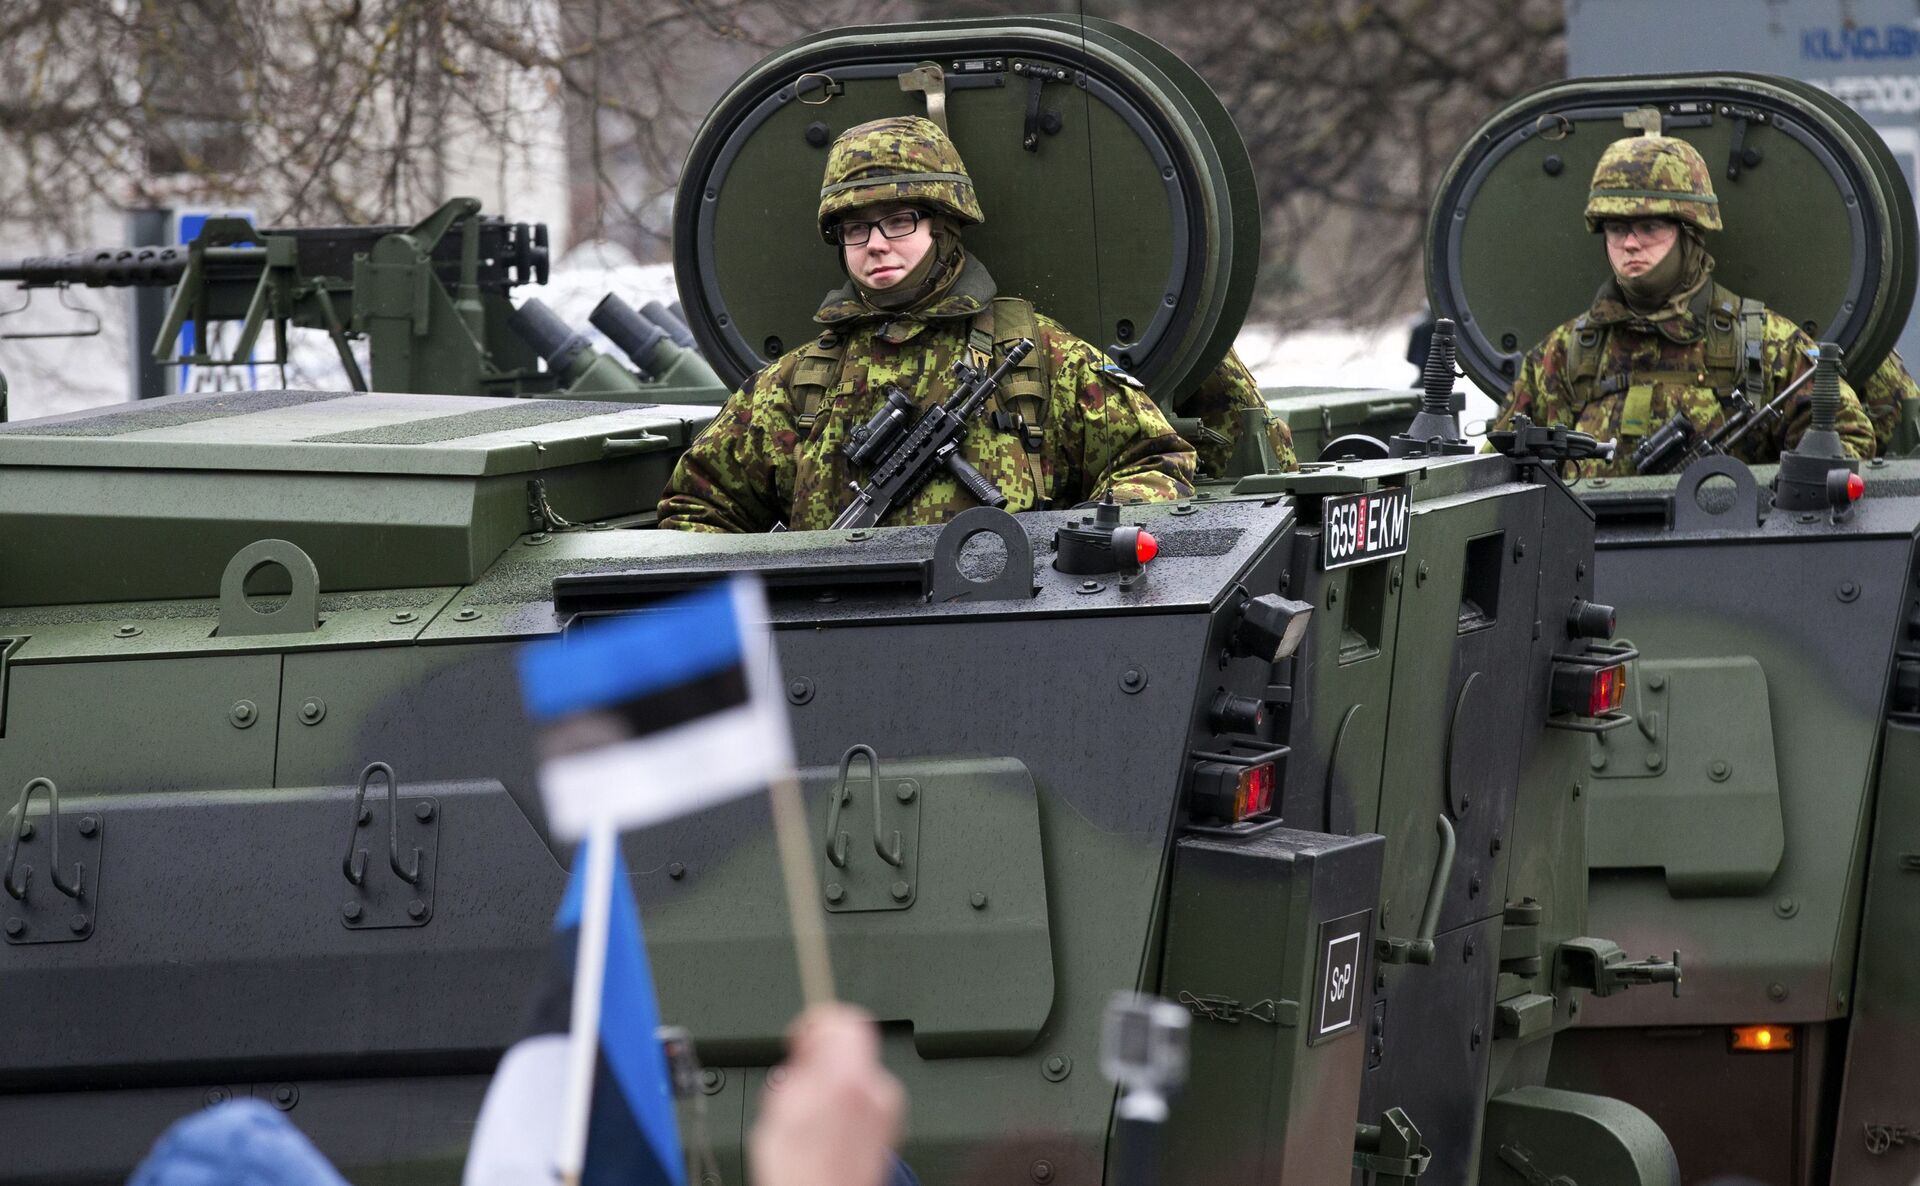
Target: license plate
{"x": 1356, "y": 528}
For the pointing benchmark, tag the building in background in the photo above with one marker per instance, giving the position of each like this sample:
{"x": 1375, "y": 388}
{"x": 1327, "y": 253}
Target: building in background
{"x": 117, "y": 123}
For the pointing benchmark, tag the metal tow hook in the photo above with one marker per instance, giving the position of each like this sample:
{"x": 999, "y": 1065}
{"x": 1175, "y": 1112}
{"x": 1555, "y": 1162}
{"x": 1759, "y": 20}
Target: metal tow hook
{"x": 354, "y": 864}
{"x": 18, "y": 892}
{"x": 837, "y": 840}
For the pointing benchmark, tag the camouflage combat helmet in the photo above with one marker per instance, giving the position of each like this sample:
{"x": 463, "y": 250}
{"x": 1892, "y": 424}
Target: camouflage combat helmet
{"x": 903, "y": 158}
{"x": 1653, "y": 177}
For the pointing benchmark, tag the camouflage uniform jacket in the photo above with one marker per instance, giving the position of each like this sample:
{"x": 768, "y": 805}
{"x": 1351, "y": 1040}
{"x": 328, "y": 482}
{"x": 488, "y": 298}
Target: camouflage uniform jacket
{"x": 1218, "y": 402}
{"x": 755, "y": 465}
{"x": 1648, "y": 370}
{"x": 1891, "y": 398}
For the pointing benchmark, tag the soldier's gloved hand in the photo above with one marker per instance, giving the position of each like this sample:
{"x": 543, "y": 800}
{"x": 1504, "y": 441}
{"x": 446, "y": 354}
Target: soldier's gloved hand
{"x": 835, "y": 1115}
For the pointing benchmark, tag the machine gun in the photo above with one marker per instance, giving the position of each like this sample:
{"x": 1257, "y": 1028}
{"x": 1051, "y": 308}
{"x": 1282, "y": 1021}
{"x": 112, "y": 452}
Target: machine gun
{"x": 1677, "y": 444}
{"x": 906, "y": 463}
{"x": 431, "y": 301}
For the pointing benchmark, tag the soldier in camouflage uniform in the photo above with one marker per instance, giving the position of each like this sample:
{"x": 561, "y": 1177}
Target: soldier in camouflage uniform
{"x": 1068, "y": 425}
{"x": 1661, "y": 337}
{"x": 1892, "y": 401}
{"x": 1217, "y": 404}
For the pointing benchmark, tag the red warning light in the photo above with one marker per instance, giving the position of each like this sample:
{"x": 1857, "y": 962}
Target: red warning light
{"x": 1146, "y": 547}
{"x": 1231, "y": 792}
{"x": 1585, "y": 690}
{"x": 1607, "y": 691}
{"x": 1856, "y": 486}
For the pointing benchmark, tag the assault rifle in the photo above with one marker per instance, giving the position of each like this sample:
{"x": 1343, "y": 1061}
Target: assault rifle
{"x": 1678, "y": 444}
{"x": 906, "y": 463}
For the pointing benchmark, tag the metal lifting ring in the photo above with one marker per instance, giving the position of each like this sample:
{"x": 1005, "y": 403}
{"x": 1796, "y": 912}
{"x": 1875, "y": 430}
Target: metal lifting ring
{"x": 827, "y": 85}
{"x": 19, "y": 892}
{"x": 1562, "y": 126}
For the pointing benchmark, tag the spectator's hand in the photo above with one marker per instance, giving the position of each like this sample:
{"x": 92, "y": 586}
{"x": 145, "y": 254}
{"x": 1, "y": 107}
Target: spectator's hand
{"x": 834, "y": 1117}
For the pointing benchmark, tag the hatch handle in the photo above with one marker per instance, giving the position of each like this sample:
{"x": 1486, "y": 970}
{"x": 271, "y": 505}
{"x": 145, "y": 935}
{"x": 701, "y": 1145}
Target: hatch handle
{"x": 1419, "y": 950}
{"x": 837, "y": 840}
{"x": 21, "y": 829}
{"x": 1038, "y": 75}
{"x": 931, "y": 81}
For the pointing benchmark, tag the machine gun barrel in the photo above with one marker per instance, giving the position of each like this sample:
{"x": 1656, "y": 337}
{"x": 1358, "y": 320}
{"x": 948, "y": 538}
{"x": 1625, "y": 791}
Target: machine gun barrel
{"x": 934, "y": 443}
{"x": 111, "y": 267}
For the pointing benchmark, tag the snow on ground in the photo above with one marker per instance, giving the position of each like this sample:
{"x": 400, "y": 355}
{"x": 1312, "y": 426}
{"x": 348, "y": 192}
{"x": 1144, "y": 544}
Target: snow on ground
{"x": 1327, "y": 357}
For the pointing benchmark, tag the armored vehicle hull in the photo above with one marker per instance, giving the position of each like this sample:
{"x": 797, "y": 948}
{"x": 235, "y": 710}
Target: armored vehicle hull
{"x": 1755, "y": 816}
{"x": 206, "y": 743}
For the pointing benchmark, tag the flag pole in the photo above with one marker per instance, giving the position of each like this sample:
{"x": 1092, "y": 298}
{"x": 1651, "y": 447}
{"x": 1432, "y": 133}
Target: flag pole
{"x": 589, "y": 979}
{"x": 797, "y": 870}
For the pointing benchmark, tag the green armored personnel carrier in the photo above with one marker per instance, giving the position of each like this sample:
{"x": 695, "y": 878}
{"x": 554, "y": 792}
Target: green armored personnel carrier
{"x": 1318, "y": 772}
{"x": 1757, "y": 815}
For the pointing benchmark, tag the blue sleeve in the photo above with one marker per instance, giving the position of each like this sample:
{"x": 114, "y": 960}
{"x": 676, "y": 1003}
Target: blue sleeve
{"x": 241, "y": 1143}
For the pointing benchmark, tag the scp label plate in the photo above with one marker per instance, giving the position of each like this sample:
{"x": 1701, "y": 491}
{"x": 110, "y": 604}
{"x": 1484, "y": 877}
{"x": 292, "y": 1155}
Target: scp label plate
{"x": 1341, "y": 976}
{"x": 1356, "y": 528}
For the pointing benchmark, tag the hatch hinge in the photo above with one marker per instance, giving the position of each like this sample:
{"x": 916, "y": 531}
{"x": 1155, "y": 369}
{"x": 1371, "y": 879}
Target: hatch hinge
{"x": 1520, "y": 938}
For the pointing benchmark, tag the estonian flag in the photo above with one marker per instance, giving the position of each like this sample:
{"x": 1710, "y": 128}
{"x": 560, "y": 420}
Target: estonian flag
{"x": 658, "y": 713}
{"x": 632, "y": 1139}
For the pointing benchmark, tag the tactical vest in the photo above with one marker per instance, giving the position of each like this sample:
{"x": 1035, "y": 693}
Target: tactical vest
{"x": 1736, "y": 333}
{"x": 1019, "y": 406}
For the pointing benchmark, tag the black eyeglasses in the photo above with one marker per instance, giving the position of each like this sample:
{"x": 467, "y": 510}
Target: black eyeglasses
{"x": 1643, "y": 229}
{"x": 893, "y": 226}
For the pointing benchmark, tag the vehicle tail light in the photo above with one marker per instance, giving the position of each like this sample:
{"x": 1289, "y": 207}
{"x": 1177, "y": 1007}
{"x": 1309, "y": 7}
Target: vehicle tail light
{"x": 1232, "y": 793}
{"x": 1588, "y": 690}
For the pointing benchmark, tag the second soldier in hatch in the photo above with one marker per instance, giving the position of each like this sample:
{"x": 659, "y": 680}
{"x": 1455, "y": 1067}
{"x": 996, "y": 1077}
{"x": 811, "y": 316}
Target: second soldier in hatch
{"x": 1067, "y": 425}
{"x": 1220, "y": 406}
{"x": 1662, "y": 336}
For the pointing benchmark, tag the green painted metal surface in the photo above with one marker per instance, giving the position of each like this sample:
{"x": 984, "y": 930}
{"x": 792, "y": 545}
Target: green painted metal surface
{"x": 1699, "y": 761}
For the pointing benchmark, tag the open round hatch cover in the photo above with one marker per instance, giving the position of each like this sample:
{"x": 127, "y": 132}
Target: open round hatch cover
{"x": 1819, "y": 220}
{"x": 1119, "y": 196}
